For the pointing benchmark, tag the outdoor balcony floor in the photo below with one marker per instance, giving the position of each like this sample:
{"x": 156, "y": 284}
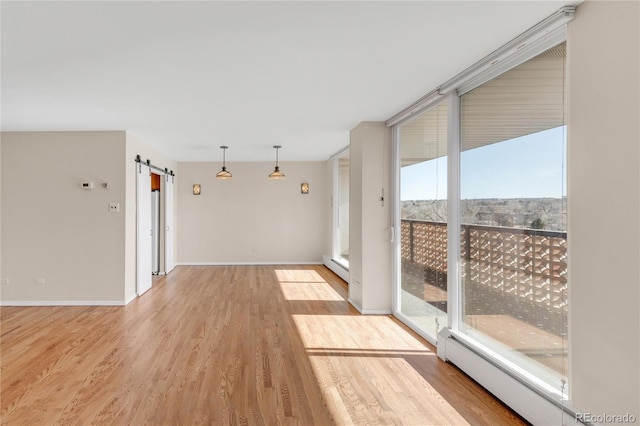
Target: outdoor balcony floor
{"x": 547, "y": 348}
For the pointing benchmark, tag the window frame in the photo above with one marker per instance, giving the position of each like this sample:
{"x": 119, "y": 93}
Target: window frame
{"x": 335, "y": 231}
{"x": 533, "y": 42}
{"x": 397, "y": 217}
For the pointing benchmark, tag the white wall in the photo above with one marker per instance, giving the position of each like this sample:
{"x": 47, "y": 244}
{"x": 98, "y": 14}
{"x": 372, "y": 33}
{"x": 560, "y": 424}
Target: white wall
{"x": 136, "y": 146}
{"x": 1, "y": 215}
{"x": 604, "y": 207}
{"x": 251, "y": 219}
{"x": 370, "y": 255}
{"x": 55, "y": 230}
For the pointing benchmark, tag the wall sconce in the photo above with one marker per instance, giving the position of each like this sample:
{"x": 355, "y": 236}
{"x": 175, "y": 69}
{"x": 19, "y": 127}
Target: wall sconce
{"x": 304, "y": 188}
{"x": 196, "y": 189}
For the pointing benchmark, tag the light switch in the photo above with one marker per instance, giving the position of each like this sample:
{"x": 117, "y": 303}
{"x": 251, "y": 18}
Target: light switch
{"x": 114, "y": 207}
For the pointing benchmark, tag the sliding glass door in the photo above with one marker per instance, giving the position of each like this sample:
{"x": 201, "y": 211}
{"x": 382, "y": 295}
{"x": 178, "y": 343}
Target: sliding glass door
{"x": 423, "y": 220}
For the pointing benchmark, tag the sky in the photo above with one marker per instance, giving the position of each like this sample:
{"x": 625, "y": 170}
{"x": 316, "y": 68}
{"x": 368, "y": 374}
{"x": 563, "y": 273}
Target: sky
{"x": 531, "y": 166}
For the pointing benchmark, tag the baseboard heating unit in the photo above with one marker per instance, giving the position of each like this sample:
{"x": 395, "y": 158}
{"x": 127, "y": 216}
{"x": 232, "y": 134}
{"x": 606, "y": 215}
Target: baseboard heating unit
{"x": 339, "y": 270}
{"x": 523, "y": 398}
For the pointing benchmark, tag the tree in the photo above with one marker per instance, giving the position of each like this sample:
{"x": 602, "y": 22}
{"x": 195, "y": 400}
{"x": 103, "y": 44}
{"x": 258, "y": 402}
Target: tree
{"x": 537, "y": 224}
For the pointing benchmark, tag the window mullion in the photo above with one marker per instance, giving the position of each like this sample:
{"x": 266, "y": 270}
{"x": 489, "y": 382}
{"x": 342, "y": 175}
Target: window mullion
{"x": 396, "y": 217}
{"x": 335, "y": 200}
{"x": 453, "y": 218}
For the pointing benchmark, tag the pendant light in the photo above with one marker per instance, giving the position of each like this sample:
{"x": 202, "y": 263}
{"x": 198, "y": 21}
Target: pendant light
{"x": 276, "y": 174}
{"x": 223, "y": 174}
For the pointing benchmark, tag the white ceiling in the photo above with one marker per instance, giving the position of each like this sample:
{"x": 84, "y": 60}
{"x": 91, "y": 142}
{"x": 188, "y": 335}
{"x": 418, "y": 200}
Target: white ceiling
{"x": 188, "y": 77}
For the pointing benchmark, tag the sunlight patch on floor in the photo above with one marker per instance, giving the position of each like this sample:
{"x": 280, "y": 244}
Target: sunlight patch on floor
{"x": 305, "y": 284}
{"x": 299, "y": 275}
{"x": 309, "y": 291}
{"x": 368, "y": 375}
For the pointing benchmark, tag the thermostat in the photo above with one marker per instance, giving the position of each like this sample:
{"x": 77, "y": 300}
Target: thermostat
{"x": 87, "y": 185}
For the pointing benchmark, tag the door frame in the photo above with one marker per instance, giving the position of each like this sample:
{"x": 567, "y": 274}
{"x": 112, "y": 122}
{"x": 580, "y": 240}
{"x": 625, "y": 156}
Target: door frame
{"x": 143, "y": 229}
{"x": 167, "y": 205}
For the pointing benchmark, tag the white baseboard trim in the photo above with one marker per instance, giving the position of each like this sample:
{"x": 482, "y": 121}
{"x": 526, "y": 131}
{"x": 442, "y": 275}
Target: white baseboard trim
{"x": 355, "y": 305}
{"x": 130, "y": 299}
{"x": 369, "y": 311}
{"x": 63, "y": 303}
{"x": 310, "y": 262}
{"x": 338, "y": 269}
{"x": 375, "y": 312}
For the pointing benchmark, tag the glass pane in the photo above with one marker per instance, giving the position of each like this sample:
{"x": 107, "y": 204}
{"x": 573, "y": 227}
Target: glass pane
{"x": 423, "y": 198}
{"x": 342, "y": 234}
{"x": 513, "y": 216}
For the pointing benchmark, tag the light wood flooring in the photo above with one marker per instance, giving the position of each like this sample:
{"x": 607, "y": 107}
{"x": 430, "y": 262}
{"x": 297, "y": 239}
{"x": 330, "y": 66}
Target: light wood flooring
{"x": 237, "y": 345}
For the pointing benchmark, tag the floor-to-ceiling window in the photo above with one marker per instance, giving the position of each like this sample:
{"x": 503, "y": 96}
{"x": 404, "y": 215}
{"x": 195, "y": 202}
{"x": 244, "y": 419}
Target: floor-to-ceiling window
{"x": 482, "y": 198}
{"x": 513, "y": 198}
{"x": 341, "y": 209}
{"x": 423, "y": 220}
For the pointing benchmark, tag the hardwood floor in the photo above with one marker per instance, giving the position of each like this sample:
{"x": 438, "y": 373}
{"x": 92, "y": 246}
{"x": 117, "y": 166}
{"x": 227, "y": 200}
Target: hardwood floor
{"x": 238, "y": 345}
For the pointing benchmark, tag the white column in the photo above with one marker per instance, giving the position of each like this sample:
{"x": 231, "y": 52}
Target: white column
{"x": 370, "y": 247}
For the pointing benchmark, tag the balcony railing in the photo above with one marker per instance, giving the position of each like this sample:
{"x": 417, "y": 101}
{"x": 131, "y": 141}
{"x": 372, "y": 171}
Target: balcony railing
{"x": 512, "y": 271}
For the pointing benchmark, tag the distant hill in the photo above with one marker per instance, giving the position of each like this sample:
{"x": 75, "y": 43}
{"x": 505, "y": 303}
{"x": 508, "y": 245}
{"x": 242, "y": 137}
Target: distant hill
{"x": 536, "y": 213}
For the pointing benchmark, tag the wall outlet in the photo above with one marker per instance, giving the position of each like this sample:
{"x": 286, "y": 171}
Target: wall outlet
{"x": 114, "y": 207}
{"x": 4, "y": 281}
{"x": 39, "y": 281}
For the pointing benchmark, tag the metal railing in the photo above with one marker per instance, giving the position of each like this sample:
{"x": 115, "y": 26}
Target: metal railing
{"x": 515, "y": 271}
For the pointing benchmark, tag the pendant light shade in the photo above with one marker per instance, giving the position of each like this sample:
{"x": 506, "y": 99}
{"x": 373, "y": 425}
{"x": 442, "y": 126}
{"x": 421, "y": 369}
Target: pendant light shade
{"x": 224, "y": 173}
{"x": 276, "y": 174}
